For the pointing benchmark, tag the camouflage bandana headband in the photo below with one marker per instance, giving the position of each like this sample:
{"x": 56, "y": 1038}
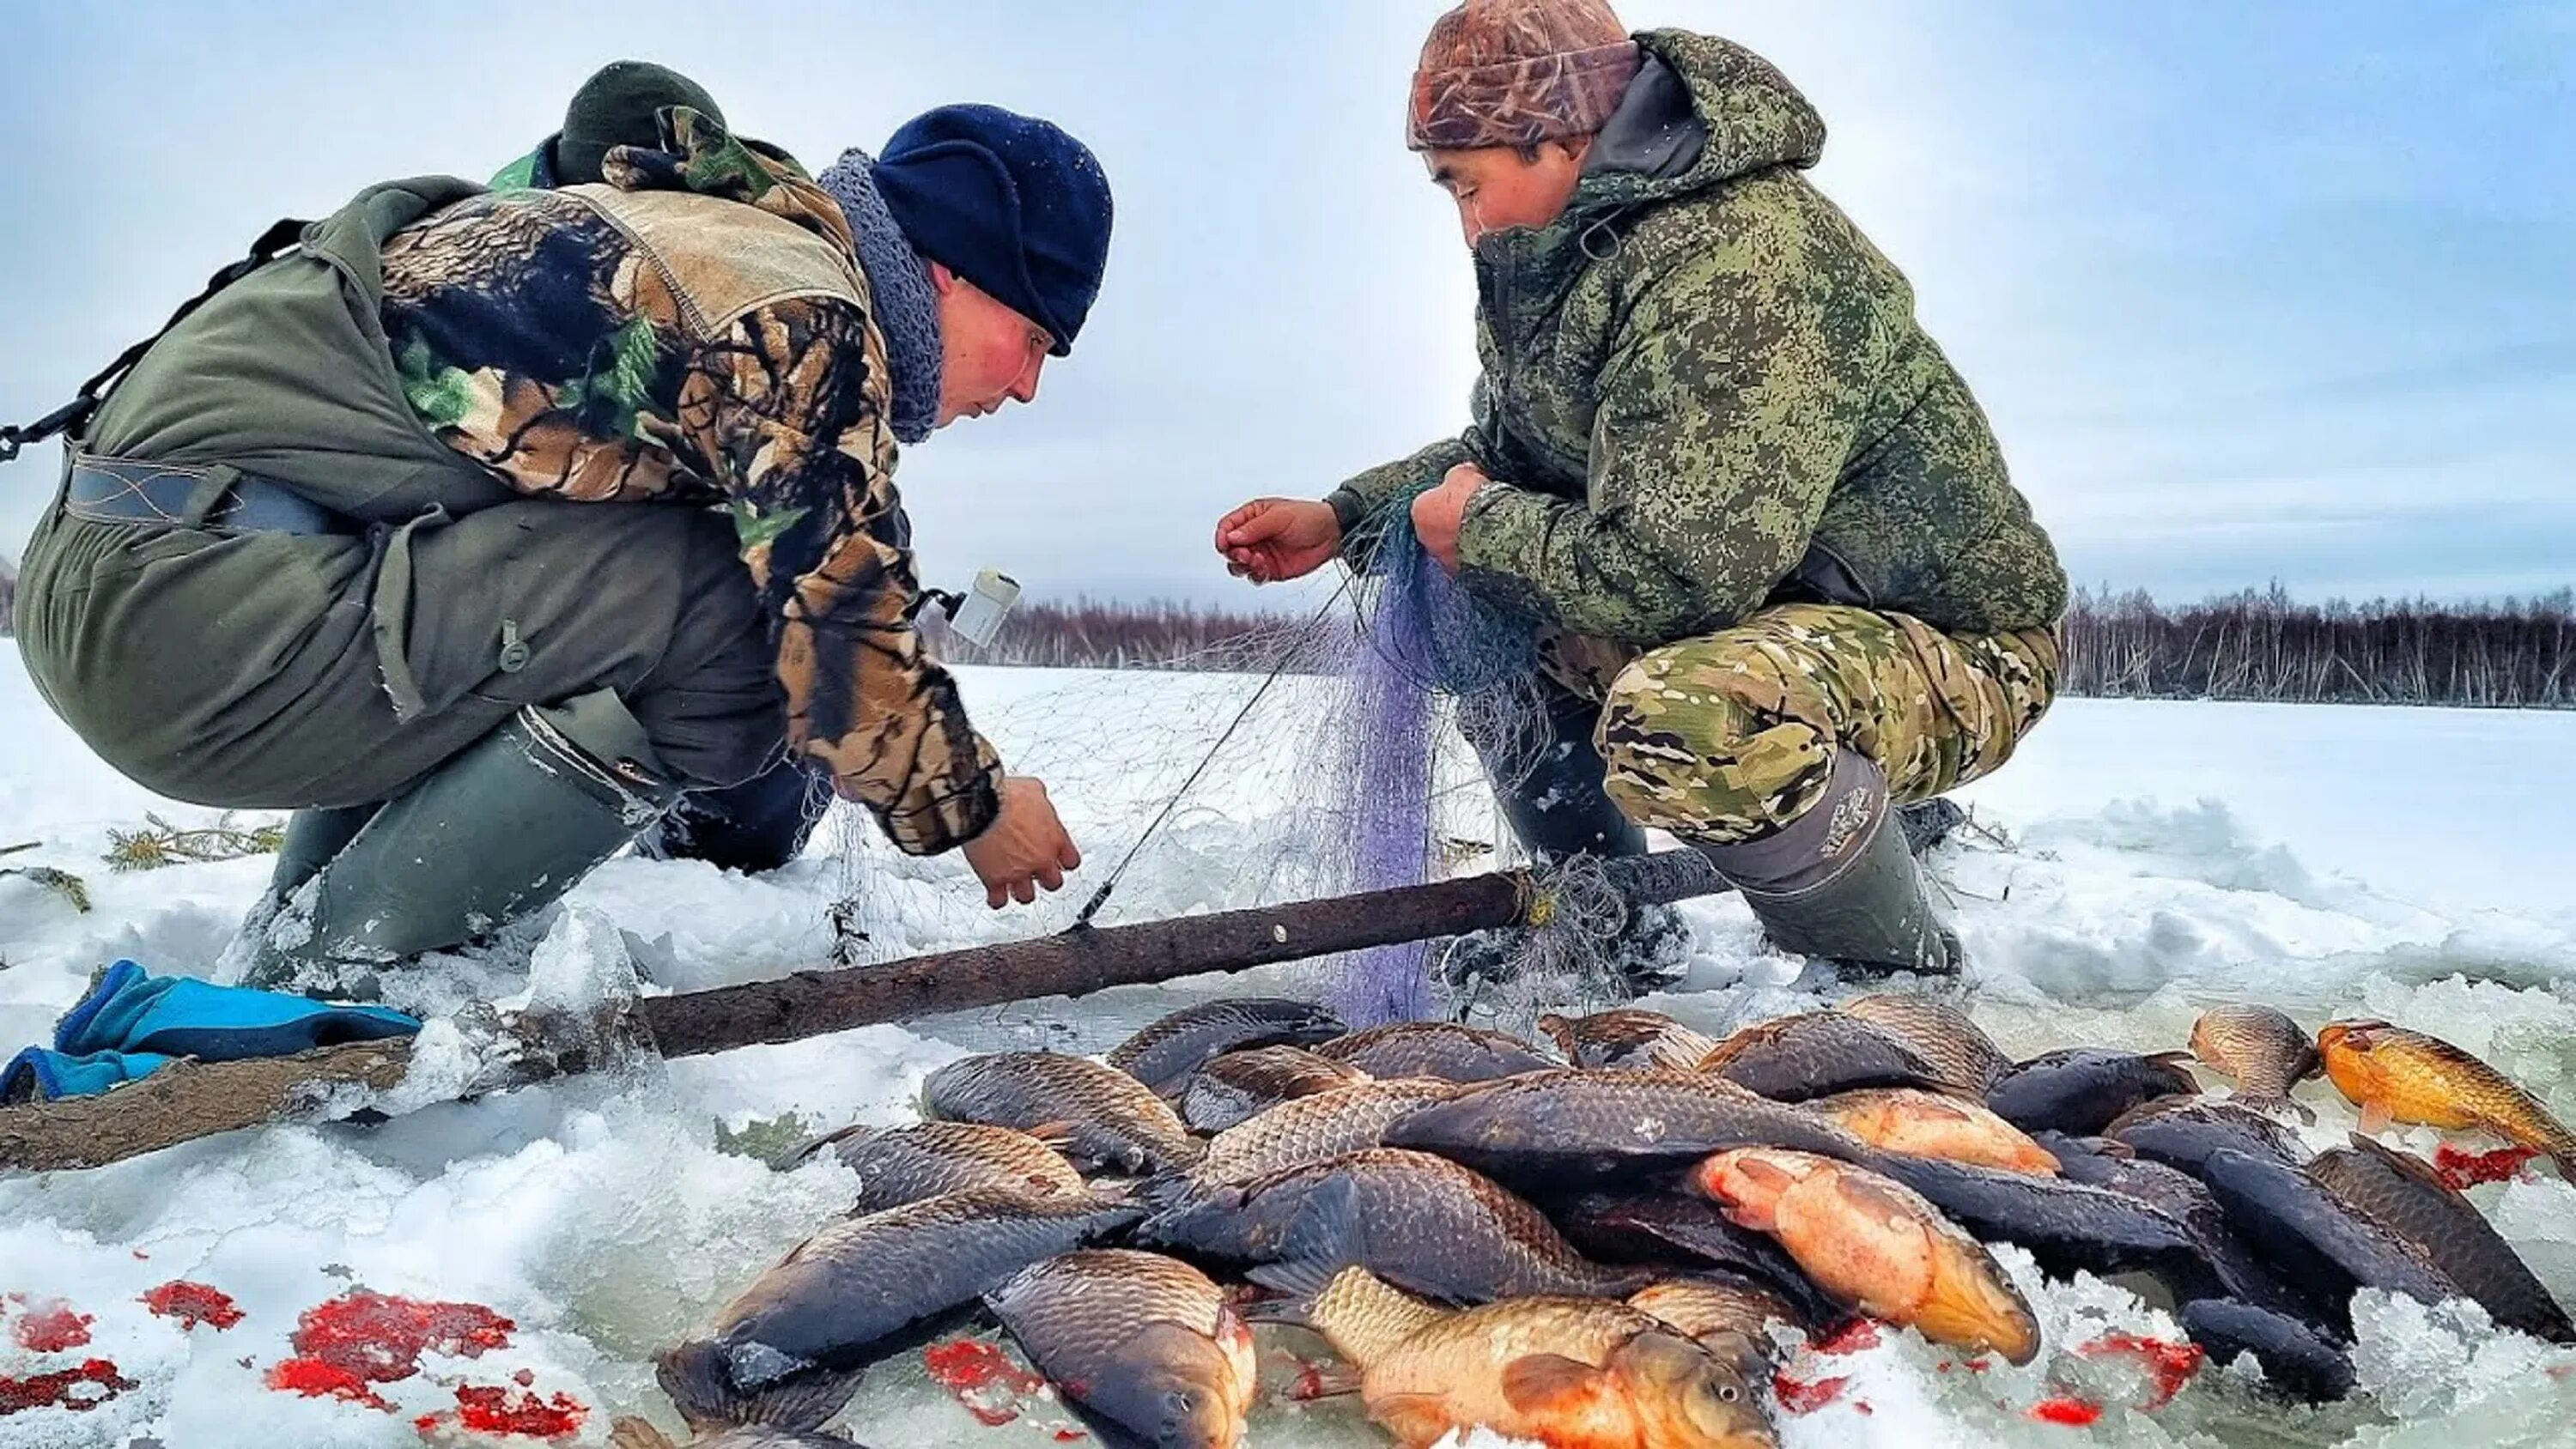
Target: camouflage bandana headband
{"x": 1520, "y": 102}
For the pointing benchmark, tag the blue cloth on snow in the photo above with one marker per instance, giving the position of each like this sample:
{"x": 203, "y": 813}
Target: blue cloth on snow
{"x": 131, "y": 1024}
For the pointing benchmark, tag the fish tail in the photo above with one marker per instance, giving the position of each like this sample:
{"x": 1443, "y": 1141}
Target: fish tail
{"x": 632, "y": 1433}
{"x": 702, "y": 1388}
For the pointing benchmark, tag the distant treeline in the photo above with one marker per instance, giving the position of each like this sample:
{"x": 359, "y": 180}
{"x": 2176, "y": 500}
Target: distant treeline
{"x": 2252, "y": 646}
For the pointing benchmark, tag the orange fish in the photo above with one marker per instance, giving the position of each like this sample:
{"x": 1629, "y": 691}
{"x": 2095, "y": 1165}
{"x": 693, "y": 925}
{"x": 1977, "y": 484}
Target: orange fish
{"x": 1875, "y": 1246}
{"x": 1927, "y": 1124}
{"x": 2396, "y": 1075}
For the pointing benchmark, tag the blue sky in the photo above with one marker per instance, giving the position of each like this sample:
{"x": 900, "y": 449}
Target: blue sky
{"x": 2284, "y": 291}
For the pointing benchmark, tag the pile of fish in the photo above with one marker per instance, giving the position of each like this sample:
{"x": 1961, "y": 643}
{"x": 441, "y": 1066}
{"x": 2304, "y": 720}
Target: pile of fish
{"x": 1611, "y": 1244}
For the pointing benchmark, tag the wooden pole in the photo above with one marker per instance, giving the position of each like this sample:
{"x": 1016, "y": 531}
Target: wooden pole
{"x": 199, "y": 1099}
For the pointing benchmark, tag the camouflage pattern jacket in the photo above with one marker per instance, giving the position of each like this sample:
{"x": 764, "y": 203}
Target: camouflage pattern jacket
{"x": 1705, "y": 391}
{"x": 697, "y": 332}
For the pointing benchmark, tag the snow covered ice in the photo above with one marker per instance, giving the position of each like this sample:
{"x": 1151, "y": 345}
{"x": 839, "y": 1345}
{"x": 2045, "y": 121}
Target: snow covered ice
{"x": 2362, "y": 861}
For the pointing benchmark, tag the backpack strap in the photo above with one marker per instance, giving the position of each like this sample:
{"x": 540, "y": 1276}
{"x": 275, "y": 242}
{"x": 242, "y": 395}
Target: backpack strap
{"x": 72, "y": 416}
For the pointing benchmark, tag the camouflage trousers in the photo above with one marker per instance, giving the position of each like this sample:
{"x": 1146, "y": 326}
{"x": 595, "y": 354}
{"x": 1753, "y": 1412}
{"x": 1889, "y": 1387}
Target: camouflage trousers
{"x": 1730, "y": 736}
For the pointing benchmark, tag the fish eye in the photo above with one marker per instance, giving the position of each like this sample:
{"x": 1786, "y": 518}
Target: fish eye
{"x": 1728, "y": 1393}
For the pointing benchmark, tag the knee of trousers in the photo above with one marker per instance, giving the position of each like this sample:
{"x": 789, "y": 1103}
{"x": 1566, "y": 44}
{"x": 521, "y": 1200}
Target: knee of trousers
{"x": 1695, "y": 744}
{"x": 712, "y": 704}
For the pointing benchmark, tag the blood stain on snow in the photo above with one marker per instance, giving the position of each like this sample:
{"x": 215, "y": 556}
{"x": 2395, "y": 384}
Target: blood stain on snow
{"x": 74, "y": 1390}
{"x": 2168, "y": 1366}
{"x": 980, "y": 1378}
{"x": 1800, "y": 1396}
{"x": 1857, "y": 1336}
{"x": 2461, "y": 1169}
{"x": 192, "y": 1304}
{"x": 2073, "y": 1413}
{"x": 494, "y": 1409}
{"x": 51, "y": 1327}
{"x": 363, "y": 1338}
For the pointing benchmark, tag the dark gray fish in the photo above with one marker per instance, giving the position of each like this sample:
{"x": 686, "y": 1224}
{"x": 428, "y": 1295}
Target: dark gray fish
{"x": 1418, "y": 1221}
{"x": 1235, "y": 1087}
{"x": 627, "y": 1433}
{"x": 1668, "y": 1229}
{"x": 2296, "y": 1359}
{"x": 2402, "y": 1193}
{"x": 1314, "y": 1129}
{"x": 1143, "y": 1348}
{"x": 2317, "y": 1241}
{"x": 898, "y": 1165}
{"x": 2067, "y": 1227}
{"x": 1442, "y": 1049}
{"x": 2080, "y": 1091}
{"x": 1163, "y": 1055}
{"x": 2242, "y": 1274}
{"x": 2183, "y": 1132}
{"x": 1817, "y": 1054}
{"x": 1966, "y": 1057}
{"x": 1106, "y": 1118}
{"x": 1627, "y": 1038}
{"x": 2262, "y": 1049}
{"x": 789, "y": 1350}
{"x": 1556, "y": 1131}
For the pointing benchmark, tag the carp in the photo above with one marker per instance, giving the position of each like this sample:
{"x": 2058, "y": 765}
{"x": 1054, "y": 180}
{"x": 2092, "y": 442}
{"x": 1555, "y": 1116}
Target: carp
{"x": 2065, "y": 1226}
{"x": 1441, "y": 1049}
{"x": 1106, "y": 1119}
{"x": 1731, "y": 1318}
{"x": 2320, "y": 1243}
{"x": 2261, "y": 1049}
{"x": 1313, "y": 1129}
{"x": 1554, "y": 1131}
{"x": 1627, "y": 1038}
{"x": 1817, "y": 1054}
{"x": 1234, "y": 1087}
{"x": 2396, "y": 1075}
{"x": 1965, "y": 1056}
{"x": 1927, "y": 1124}
{"x": 2404, "y": 1195}
{"x": 632, "y": 1433}
{"x": 1567, "y": 1373}
{"x": 1165, "y": 1053}
{"x": 1144, "y": 1350}
{"x": 1876, "y": 1246}
{"x": 899, "y": 1165}
{"x": 2080, "y": 1092}
{"x": 2183, "y": 1132}
{"x": 1669, "y": 1230}
{"x": 2296, "y": 1359}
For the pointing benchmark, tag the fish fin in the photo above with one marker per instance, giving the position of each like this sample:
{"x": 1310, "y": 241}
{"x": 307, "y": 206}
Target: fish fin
{"x": 1058, "y": 1135}
{"x": 2271, "y": 1105}
{"x": 1414, "y": 1419}
{"x": 1300, "y": 1279}
{"x": 1545, "y": 1385}
{"x": 1293, "y": 1307}
{"x": 1328, "y": 1232}
{"x": 806, "y": 1153}
{"x": 702, "y": 1388}
{"x": 2182, "y": 1058}
{"x": 1111, "y": 1191}
{"x": 631, "y": 1433}
{"x": 1335, "y": 1380}
{"x": 2376, "y": 1118}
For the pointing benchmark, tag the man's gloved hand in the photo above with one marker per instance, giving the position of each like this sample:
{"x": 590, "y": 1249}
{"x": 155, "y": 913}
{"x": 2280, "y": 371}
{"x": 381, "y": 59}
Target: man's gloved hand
{"x": 131, "y": 1024}
{"x": 1026, "y": 846}
{"x": 1270, "y": 540}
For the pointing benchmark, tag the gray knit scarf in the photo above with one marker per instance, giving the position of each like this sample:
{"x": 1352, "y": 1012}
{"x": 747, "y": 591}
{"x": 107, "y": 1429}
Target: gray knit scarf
{"x": 907, "y": 309}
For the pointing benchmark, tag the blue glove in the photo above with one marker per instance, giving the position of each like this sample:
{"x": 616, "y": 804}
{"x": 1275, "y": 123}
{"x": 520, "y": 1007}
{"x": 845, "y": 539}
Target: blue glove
{"x": 130, "y": 1025}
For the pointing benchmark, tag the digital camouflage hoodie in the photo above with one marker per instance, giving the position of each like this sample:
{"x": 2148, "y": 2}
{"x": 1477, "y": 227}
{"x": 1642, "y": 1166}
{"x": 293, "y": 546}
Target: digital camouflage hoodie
{"x": 1704, "y": 390}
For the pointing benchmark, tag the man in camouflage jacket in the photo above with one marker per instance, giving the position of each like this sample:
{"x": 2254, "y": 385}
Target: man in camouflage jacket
{"x": 481, "y": 525}
{"x": 1783, "y": 580}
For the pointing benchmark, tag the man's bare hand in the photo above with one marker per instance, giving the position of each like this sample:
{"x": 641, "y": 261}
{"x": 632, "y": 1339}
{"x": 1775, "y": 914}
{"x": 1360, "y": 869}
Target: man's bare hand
{"x": 1273, "y": 539}
{"x": 1438, "y": 513}
{"x": 1025, "y": 848}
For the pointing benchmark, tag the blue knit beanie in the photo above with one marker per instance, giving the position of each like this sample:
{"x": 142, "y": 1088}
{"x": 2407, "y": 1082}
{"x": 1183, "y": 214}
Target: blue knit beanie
{"x": 1009, "y": 202}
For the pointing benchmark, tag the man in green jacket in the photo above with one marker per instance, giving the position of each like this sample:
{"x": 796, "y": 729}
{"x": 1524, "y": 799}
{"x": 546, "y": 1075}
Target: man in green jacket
{"x": 1782, "y": 580}
{"x": 478, "y": 526}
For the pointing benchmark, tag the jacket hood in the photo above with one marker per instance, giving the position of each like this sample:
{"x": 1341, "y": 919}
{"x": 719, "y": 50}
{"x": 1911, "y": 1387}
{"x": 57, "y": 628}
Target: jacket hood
{"x": 698, "y": 154}
{"x": 1701, "y": 112}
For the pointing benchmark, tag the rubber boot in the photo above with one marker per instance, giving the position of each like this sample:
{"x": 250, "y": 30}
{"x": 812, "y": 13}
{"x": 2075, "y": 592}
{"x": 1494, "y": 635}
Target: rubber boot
{"x": 1840, "y": 884}
{"x": 312, "y": 838}
{"x": 502, "y": 830}
{"x": 754, "y": 827}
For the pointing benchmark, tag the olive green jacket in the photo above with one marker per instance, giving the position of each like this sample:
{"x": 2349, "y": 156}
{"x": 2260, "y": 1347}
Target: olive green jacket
{"x": 1705, "y": 391}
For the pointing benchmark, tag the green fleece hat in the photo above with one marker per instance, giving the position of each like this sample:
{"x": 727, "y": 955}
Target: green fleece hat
{"x": 616, "y": 108}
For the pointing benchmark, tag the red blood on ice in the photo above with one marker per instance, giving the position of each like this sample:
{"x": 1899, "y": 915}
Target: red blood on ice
{"x": 1070, "y": 1436}
{"x": 1310, "y": 1383}
{"x": 2073, "y": 1413}
{"x": 315, "y": 1379}
{"x": 51, "y": 1327}
{"x": 1800, "y": 1397}
{"x": 67, "y": 1389}
{"x": 1854, "y": 1337}
{"x": 2168, "y": 1365}
{"x": 192, "y": 1304}
{"x": 980, "y": 1378}
{"x": 2463, "y": 1170}
{"x": 494, "y": 1409}
{"x": 363, "y": 1338}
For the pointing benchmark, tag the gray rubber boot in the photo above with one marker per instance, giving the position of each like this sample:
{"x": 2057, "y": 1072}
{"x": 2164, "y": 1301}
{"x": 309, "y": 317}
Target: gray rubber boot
{"x": 501, "y": 830}
{"x": 1839, "y": 882}
{"x": 312, "y": 838}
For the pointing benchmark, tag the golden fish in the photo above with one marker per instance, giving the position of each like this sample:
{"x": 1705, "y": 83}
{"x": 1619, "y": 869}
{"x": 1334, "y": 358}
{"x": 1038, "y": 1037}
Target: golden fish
{"x": 2263, "y": 1049}
{"x": 2396, "y": 1075}
{"x": 1927, "y": 1124}
{"x": 1568, "y": 1373}
{"x": 1875, "y": 1246}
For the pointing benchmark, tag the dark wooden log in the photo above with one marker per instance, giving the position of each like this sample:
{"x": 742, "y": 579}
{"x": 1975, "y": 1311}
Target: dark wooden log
{"x": 198, "y": 1099}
